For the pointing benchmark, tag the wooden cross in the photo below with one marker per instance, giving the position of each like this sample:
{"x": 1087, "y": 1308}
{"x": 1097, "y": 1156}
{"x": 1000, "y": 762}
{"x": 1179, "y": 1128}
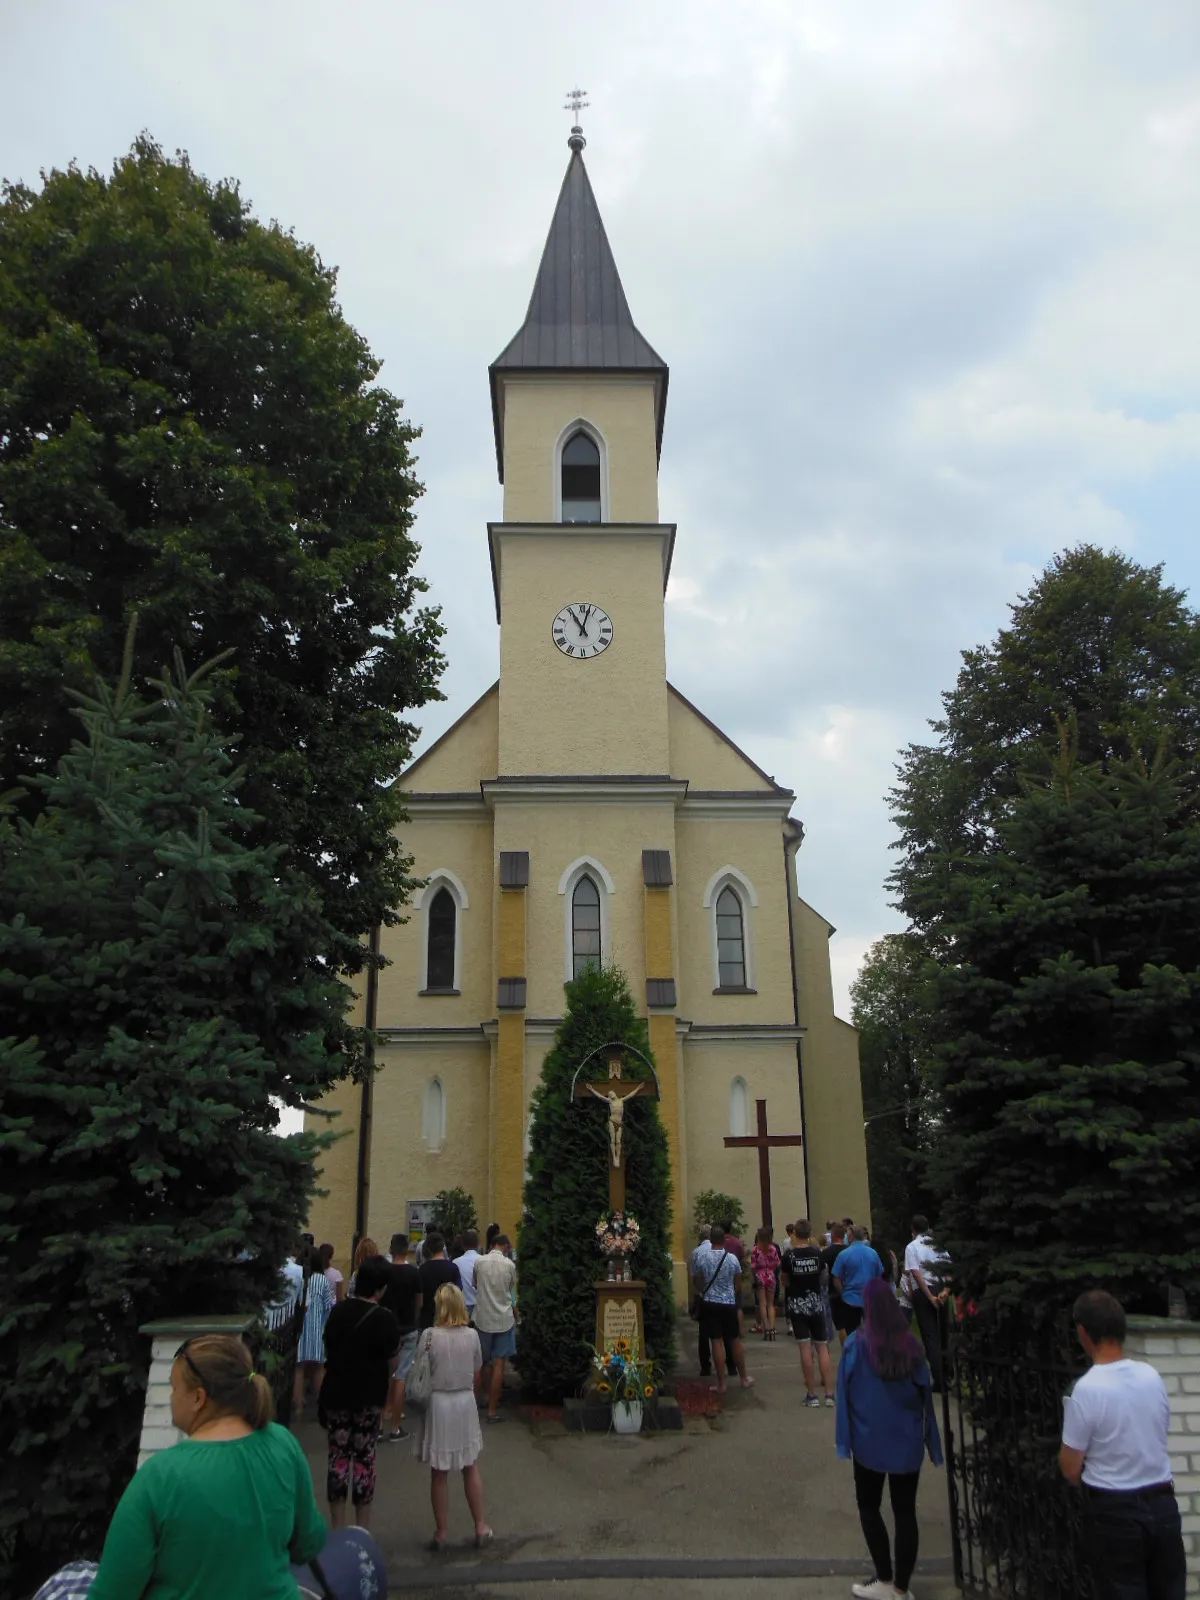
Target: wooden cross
{"x": 615, "y": 1091}
{"x": 764, "y": 1143}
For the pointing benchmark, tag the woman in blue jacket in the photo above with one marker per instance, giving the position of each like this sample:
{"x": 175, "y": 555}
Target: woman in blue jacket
{"x": 885, "y": 1424}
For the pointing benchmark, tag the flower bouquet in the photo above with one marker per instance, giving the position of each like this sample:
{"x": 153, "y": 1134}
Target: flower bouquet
{"x": 627, "y": 1379}
{"x": 617, "y": 1234}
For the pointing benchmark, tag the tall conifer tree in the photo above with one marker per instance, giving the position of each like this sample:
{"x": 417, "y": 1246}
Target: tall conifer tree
{"x": 567, "y": 1191}
{"x": 160, "y": 983}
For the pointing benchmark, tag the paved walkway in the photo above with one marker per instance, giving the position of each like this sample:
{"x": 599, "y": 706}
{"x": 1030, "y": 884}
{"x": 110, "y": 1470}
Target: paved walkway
{"x": 755, "y": 1497}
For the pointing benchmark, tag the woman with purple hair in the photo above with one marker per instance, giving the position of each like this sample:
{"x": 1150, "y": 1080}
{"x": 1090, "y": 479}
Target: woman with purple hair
{"x": 885, "y": 1424}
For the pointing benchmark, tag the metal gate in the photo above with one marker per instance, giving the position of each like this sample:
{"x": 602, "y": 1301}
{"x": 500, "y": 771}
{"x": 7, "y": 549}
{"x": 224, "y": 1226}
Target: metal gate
{"x": 1015, "y": 1522}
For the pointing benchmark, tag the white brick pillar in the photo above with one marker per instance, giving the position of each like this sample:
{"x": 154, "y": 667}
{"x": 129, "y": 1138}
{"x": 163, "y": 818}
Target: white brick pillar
{"x": 1173, "y": 1349}
{"x": 158, "y": 1431}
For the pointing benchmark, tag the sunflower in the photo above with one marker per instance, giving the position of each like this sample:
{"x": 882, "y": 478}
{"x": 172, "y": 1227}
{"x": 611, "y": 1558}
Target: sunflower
{"x": 621, "y": 1346}
{"x": 648, "y": 1390}
{"x": 603, "y": 1388}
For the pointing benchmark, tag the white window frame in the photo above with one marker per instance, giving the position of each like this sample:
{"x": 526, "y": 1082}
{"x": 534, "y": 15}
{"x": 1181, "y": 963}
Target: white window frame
{"x": 441, "y": 878}
{"x": 739, "y": 1091}
{"x": 434, "y": 1139}
{"x": 580, "y": 425}
{"x": 730, "y": 877}
{"x": 584, "y": 866}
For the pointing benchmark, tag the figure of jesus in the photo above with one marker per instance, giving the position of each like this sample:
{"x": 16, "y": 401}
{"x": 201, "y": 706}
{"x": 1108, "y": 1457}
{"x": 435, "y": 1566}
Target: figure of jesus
{"x": 616, "y": 1118}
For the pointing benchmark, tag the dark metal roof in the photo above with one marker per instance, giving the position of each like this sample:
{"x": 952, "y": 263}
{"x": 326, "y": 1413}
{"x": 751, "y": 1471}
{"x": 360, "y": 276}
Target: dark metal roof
{"x": 578, "y": 315}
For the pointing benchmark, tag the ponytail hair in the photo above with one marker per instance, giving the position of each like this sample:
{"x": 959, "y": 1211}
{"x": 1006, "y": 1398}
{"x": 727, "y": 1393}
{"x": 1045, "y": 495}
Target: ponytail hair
{"x": 220, "y": 1364}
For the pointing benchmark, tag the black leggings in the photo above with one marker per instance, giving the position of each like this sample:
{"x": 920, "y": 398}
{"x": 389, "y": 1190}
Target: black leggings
{"x": 902, "y": 1488}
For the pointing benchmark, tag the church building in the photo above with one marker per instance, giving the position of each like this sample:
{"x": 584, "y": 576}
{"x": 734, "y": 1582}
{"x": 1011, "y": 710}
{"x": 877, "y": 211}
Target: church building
{"x": 581, "y": 810}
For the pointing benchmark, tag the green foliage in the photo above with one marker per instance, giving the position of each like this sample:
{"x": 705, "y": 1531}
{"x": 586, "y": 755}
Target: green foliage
{"x": 712, "y": 1206}
{"x": 567, "y": 1191}
{"x": 454, "y": 1213}
{"x": 892, "y": 1000}
{"x": 159, "y": 984}
{"x": 1098, "y": 641}
{"x": 1070, "y": 1153}
{"x": 1051, "y": 871}
{"x": 189, "y": 427}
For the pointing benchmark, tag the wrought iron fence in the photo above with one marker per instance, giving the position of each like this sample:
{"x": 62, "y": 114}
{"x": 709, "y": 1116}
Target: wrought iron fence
{"x": 274, "y": 1350}
{"x": 1015, "y": 1522}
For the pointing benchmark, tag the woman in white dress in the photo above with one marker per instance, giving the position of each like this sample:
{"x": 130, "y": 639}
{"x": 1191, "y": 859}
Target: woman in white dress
{"x": 451, "y": 1438}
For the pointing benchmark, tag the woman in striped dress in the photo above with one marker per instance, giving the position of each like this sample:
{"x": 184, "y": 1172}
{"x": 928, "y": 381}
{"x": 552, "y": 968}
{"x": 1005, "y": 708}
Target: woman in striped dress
{"x": 316, "y": 1299}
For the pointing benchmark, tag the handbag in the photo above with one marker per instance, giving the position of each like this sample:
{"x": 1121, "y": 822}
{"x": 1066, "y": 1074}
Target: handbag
{"x": 418, "y": 1386}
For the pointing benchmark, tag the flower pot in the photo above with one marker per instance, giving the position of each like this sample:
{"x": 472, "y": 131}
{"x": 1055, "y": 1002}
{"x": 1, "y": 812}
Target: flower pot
{"x": 627, "y": 1416}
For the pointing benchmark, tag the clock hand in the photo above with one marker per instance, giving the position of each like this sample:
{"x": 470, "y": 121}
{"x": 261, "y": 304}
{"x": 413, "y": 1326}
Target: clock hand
{"x": 578, "y": 624}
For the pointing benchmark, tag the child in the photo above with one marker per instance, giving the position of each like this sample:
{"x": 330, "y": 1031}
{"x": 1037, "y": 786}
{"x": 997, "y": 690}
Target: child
{"x": 764, "y": 1264}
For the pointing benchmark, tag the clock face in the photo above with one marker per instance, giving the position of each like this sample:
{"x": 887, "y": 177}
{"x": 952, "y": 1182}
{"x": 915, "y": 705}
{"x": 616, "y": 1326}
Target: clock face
{"x": 582, "y": 630}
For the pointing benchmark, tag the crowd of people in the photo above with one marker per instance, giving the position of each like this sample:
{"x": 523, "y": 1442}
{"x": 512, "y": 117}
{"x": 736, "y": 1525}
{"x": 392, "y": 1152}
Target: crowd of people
{"x": 455, "y": 1311}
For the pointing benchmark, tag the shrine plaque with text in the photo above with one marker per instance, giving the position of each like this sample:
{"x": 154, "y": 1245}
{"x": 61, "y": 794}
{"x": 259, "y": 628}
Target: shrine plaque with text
{"x": 619, "y": 1314}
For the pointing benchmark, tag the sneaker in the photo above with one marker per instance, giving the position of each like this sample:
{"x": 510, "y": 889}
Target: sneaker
{"x": 877, "y": 1589}
{"x": 830, "y": 1401}
{"x": 397, "y": 1434}
{"x": 811, "y": 1401}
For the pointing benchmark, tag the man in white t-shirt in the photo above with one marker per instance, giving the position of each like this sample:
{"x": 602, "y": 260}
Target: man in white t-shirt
{"x": 466, "y": 1268}
{"x": 922, "y": 1288}
{"x": 1114, "y": 1442}
{"x": 495, "y": 1319}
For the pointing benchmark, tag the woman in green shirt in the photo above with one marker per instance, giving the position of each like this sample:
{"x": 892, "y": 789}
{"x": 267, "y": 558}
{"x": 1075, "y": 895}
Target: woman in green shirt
{"x": 222, "y": 1513}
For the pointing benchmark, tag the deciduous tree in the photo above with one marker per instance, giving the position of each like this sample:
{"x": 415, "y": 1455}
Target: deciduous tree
{"x": 190, "y": 427}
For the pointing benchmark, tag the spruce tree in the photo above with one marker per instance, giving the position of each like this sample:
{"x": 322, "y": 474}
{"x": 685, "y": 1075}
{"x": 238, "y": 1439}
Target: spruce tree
{"x": 1049, "y": 871}
{"x": 567, "y": 1191}
{"x": 1069, "y": 1152}
{"x": 160, "y": 985}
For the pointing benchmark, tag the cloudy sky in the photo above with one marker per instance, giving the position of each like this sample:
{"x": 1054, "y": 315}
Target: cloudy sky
{"x": 925, "y": 275}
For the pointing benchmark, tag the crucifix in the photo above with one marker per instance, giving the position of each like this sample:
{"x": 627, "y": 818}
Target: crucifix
{"x": 764, "y": 1143}
{"x": 613, "y": 1092}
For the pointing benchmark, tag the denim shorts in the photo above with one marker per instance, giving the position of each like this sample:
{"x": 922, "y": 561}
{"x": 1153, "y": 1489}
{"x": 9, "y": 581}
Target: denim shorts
{"x": 404, "y": 1358}
{"x": 495, "y": 1346}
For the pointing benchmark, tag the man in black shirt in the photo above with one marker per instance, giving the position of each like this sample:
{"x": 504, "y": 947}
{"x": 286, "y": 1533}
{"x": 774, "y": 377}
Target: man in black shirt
{"x": 828, "y": 1256}
{"x": 435, "y": 1270}
{"x": 402, "y": 1297}
{"x": 803, "y": 1267}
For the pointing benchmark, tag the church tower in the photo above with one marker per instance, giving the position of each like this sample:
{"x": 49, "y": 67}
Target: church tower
{"x": 580, "y": 561}
{"x": 583, "y": 810}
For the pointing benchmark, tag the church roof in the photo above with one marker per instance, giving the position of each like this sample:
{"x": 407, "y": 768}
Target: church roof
{"x": 578, "y": 315}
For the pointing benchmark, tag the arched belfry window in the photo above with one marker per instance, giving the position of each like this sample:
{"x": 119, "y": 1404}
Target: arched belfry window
{"x": 585, "y": 926}
{"x": 580, "y": 479}
{"x": 441, "y": 924}
{"x": 731, "y": 940}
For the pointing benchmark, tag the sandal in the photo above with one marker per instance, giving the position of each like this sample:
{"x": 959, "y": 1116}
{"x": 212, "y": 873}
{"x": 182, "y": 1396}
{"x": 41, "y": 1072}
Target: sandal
{"x": 436, "y": 1547}
{"x": 748, "y": 1383}
{"x": 484, "y": 1538}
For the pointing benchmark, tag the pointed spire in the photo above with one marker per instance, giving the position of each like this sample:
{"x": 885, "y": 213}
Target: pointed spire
{"x": 578, "y": 315}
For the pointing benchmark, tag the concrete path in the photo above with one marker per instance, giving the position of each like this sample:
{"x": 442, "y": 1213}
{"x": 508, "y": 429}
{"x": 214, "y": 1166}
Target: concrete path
{"x": 755, "y": 1498}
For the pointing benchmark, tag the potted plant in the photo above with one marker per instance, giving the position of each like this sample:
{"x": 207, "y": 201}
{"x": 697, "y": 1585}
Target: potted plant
{"x": 627, "y": 1379}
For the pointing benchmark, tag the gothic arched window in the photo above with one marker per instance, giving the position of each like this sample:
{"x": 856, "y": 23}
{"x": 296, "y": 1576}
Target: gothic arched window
{"x": 739, "y": 1108}
{"x": 580, "y": 479}
{"x": 585, "y": 926}
{"x": 433, "y": 1115}
{"x": 731, "y": 940}
{"x": 442, "y": 917}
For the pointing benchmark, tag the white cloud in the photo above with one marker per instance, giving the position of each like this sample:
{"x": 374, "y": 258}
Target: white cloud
{"x": 925, "y": 276}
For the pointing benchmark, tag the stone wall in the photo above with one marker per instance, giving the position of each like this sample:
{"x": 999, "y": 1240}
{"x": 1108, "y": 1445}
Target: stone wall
{"x": 1173, "y": 1349}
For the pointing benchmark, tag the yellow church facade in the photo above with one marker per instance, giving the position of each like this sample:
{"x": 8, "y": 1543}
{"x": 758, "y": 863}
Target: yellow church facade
{"x": 583, "y": 809}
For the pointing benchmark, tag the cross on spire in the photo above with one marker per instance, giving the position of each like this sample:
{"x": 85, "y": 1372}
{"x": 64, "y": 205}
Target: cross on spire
{"x": 575, "y": 103}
